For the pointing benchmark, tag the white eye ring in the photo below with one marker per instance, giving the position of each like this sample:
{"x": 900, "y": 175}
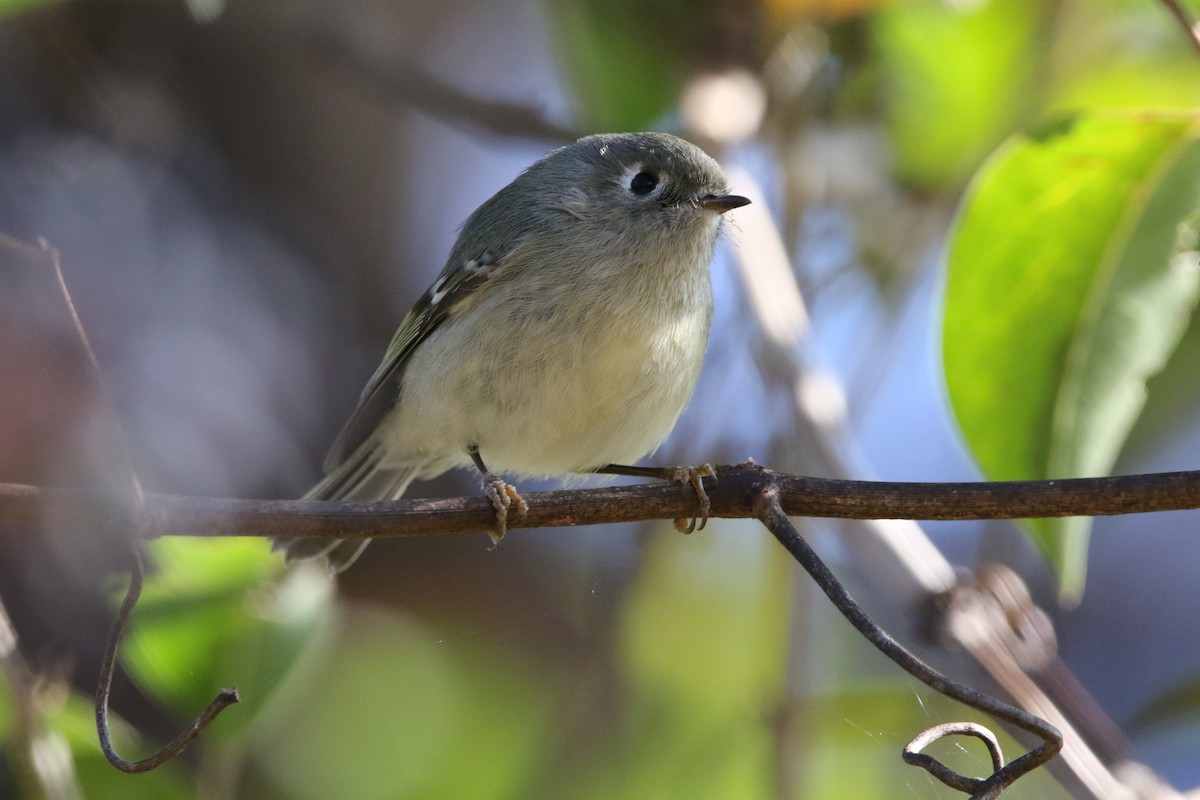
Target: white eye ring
{"x": 641, "y": 181}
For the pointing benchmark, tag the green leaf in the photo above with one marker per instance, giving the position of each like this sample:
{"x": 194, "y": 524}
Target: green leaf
{"x": 714, "y": 601}
{"x": 1179, "y": 705}
{"x": 703, "y": 643}
{"x": 957, "y": 81}
{"x": 7, "y": 710}
{"x": 212, "y": 614}
{"x": 73, "y": 723}
{"x": 1072, "y": 275}
{"x": 11, "y": 7}
{"x": 406, "y": 709}
{"x": 1150, "y": 80}
{"x": 627, "y": 59}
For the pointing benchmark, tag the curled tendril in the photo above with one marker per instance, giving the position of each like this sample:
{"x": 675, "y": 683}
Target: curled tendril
{"x": 912, "y": 754}
{"x": 224, "y": 698}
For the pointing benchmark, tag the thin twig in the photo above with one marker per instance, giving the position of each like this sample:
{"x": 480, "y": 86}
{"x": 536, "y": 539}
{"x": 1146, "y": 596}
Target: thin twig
{"x": 405, "y": 83}
{"x": 1185, "y": 20}
{"x": 224, "y": 698}
{"x": 50, "y": 257}
{"x": 771, "y": 514}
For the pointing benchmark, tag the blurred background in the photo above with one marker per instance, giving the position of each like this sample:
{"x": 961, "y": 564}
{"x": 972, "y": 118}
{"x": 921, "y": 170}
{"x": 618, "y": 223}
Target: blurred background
{"x": 248, "y": 196}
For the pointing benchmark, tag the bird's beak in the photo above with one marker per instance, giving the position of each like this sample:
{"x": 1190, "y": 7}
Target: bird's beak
{"x": 721, "y": 203}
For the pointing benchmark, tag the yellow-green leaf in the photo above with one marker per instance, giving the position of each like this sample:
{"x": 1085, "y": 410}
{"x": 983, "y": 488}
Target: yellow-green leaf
{"x": 1072, "y": 275}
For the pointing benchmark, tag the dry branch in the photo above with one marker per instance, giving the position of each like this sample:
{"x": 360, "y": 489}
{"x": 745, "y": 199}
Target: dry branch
{"x": 732, "y": 496}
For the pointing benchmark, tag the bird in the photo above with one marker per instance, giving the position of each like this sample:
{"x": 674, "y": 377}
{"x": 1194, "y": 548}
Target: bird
{"x": 564, "y": 335}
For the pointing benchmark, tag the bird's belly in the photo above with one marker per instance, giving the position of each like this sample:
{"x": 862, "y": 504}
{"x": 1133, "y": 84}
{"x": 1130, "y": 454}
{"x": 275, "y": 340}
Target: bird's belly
{"x": 551, "y": 407}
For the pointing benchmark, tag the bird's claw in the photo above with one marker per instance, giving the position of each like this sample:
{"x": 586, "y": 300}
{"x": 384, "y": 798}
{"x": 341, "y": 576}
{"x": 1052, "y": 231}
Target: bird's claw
{"x": 694, "y": 476}
{"x": 504, "y": 497}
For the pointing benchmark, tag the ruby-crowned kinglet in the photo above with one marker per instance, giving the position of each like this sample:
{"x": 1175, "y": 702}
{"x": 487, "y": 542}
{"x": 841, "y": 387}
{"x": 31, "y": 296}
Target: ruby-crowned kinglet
{"x": 564, "y": 335}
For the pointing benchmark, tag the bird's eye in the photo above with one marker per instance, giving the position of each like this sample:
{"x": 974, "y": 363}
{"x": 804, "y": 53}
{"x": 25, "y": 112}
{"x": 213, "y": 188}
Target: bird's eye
{"x": 643, "y": 183}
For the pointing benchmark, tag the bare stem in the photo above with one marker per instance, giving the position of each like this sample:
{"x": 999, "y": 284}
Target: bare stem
{"x": 771, "y": 514}
{"x": 224, "y": 698}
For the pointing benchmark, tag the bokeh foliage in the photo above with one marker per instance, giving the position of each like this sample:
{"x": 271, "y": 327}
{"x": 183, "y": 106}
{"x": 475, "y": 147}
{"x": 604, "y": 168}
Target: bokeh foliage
{"x": 1070, "y": 278}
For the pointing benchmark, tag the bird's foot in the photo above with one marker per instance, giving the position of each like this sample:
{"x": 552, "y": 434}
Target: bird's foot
{"x": 693, "y": 476}
{"x": 504, "y": 497}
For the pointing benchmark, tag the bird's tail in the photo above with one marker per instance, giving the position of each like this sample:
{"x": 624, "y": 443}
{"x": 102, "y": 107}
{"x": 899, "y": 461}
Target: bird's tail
{"x": 363, "y": 476}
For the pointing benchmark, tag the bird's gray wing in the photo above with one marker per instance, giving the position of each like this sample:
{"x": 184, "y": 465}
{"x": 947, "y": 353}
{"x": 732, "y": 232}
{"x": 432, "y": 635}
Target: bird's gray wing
{"x": 448, "y": 293}
{"x": 356, "y": 467}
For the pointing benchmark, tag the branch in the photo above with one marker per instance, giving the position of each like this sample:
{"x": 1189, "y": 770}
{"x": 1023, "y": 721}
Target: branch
{"x": 22, "y": 507}
{"x": 773, "y": 517}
